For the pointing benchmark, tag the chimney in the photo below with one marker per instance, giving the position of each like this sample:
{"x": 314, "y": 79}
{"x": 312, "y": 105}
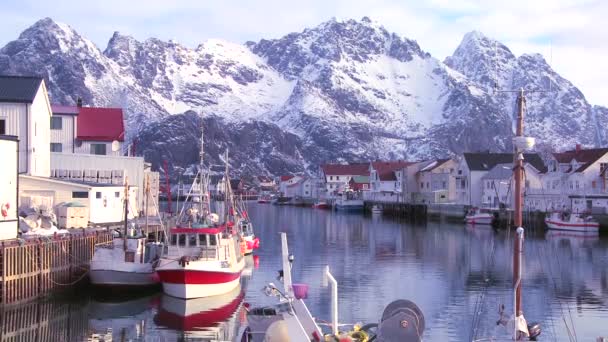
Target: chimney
{"x": 79, "y": 102}
{"x": 578, "y": 148}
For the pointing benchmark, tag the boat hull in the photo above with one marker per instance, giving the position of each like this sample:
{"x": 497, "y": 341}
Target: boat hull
{"x": 575, "y": 227}
{"x": 188, "y": 283}
{"x": 321, "y": 206}
{"x": 479, "y": 220}
{"x": 113, "y": 278}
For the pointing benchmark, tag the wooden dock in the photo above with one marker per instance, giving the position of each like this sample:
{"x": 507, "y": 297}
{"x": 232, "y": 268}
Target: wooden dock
{"x": 33, "y": 268}
{"x": 399, "y": 209}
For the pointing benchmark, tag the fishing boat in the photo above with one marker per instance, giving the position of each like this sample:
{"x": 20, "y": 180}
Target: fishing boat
{"x": 204, "y": 257}
{"x": 479, "y": 216}
{"x": 349, "y": 201}
{"x": 264, "y": 199}
{"x": 251, "y": 241}
{"x": 126, "y": 261}
{"x": 321, "y": 205}
{"x": 577, "y": 222}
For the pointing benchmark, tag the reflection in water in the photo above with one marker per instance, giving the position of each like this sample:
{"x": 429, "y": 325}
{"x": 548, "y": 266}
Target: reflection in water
{"x": 442, "y": 267}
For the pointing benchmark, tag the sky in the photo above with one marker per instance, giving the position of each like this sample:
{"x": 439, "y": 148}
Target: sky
{"x": 572, "y": 35}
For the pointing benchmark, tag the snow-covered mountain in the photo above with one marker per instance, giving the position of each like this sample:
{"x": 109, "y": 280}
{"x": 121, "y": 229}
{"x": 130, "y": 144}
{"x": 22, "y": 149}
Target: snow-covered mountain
{"x": 344, "y": 90}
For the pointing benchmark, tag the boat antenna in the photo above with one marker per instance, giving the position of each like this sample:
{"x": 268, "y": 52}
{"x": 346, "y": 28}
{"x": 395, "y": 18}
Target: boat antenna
{"x": 202, "y": 189}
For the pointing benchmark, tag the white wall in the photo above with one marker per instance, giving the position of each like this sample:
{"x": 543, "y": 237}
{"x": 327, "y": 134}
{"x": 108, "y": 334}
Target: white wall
{"x": 8, "y": 189}
{"x": 109, "y": 208}
{"x": 85, "y": 148}
{"x": 14, "y": 115}
{"x": 39, "y": 129}
{"x": 133, "y": 166}
{"x": 66, "y": 135}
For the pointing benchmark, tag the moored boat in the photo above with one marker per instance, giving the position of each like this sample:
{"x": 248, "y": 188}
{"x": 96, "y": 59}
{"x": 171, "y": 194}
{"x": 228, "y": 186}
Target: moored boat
{"x": 478, "y": 216}
{"x": 349, "y": 201}
{"x": 578, "y": 222}
{"x": 321, "y": 205}
{"x": 128, "y": 260}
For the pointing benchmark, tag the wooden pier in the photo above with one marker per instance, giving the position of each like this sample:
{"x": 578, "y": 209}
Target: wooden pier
{"x": 33, "y": 268}
{"x": 399, "y": 209}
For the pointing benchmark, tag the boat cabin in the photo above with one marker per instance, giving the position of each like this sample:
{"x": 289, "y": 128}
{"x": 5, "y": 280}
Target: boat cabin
{"x": 206, "y": 243}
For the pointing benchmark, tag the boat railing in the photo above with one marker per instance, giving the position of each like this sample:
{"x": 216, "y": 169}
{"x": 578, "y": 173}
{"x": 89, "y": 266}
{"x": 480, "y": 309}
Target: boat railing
{"x": 106, "y": 244}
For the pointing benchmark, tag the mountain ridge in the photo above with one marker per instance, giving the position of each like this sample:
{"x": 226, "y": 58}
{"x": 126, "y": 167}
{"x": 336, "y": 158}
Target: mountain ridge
{"x": 342, "y": 90}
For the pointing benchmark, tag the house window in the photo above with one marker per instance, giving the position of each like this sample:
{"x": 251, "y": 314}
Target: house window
{"x": 2, "y": 126}
{"x": 56, "y": 122}
{"x": 459, "y": 172}
{"x": 98, "y": 194}
{"x": 117, "y": 194}
{"x": 463, "y": 183}
{"x": 337, "y": 177}
{"x": 364, "y": 186}
{"x": 98, "y": 149}
{"x": 443, "y": 185}
{"x": 331, "y": 177}
{"x": 427, "y": 185}
{"x": 56, "y": 147}
{"x": 421, "y": 185}
{"x": 577, "y": 184}
{"x": 489, "y": 199}
{"x": 80, "y": 194}
{"x": 182, "y": 240}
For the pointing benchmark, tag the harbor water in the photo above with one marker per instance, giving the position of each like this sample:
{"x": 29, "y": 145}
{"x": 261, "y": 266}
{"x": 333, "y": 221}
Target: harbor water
{"x": 458, "y": 276}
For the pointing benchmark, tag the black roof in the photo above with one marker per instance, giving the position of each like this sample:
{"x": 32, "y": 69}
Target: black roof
{"x": 485, "y": 161}
{"x": 21, "y": 89}
{"x": 214, "y": 179}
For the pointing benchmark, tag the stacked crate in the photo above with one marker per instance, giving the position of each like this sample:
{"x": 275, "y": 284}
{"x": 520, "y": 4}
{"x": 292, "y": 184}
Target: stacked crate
{"x": 104, "y": 177}
{"x": 118, "y": 177}
{"x": 90, "y": 176}
{"x": 77, "y": 175}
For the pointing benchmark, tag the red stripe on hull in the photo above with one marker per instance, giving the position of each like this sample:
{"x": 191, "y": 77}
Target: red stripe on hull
{"x": 196, "y": 277}
{"x": 561, "y": 224}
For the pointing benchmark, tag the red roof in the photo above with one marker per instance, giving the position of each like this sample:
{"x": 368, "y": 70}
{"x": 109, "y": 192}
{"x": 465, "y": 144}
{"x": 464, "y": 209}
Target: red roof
{"x": 100, "y": 124}
{"x": 286, "y": 178}
{"x": 355, "y": 169}
{"x": 586, "y": 157}
{"x": 386, "y": 170}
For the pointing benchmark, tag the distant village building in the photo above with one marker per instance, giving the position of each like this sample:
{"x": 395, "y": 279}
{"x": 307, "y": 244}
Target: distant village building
{"x": 576, "y": 179}
{"x": 436, "y": 182}
{"x": 9, "y": 223}
{"x": 498, "y": 187}
{"x": 287, "y": 185}
{"x": 386, "y": 180}
{"x": 25, "y": 112}
{"x": 337, "y": 176}
{"x": 472, "y": 168}
{"x": 359, "y": 183}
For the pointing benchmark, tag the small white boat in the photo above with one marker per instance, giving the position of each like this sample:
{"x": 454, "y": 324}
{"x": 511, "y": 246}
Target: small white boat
{"x": 571, "y": 221}
{"x": 251, "y": 241}
{"x": 125, "y": 262}
{"x": 478, "y": 216}
{"x": 128, "y": 260}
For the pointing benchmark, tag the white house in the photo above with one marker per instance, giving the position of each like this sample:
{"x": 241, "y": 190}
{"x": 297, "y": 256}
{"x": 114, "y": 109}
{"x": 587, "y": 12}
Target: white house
{"x": 105, "y": 201}
{"x": 498, "y": 185}
{"x": 337, "y": 176}
{"x": 386, "y": 180}
{"x": 25, "y": 112}
{"x": 576, "y": 179}
{"x": 87, "y": 130}
{"x": 9, "y": 222}
{"x": 287, "y": 185}
{"x": 436, "y": 182}
{"x": 473, "y": 166}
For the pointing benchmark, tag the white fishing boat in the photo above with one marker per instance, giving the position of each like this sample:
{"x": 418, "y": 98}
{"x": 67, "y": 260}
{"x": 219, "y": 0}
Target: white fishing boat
{"x": 204, "y": 258}
{"x": 479, "y": 216}
{"x": 126, "y": 261}
{"x": 571, "y": 221}
{"x": 377, "y": 210}
{"x": 349, "y": 201}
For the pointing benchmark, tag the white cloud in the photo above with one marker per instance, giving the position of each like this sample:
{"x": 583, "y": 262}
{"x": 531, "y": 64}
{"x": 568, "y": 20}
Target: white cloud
{"x": 575, "y": 29}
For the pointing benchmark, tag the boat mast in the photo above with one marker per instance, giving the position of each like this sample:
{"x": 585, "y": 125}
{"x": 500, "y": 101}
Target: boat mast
{"x": 518, "y": 174}
{"x": 124, "y": 235}
{"x": 201, "y": 173}
{"x": 147, "y": 198}
{"x": 226, "y": 187}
